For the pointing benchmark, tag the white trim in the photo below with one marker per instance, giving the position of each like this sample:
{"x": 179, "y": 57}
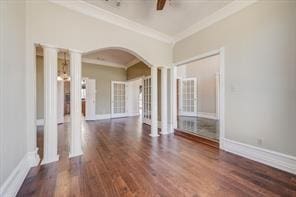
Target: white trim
{"x": 122, "y": 115}
{"x": 217, "y": 95}
{"x": 268, "y": 157}
{"x": 207, "y": 115}
{"x": 101, "y": 14}
{"x": 90, "y": 99}
{"x": 221, "y": 52}
{"x": 40, "y": 122}
{"x": 219, "y": 15}
{"x": 133, "y": 114}
{"x": 154, "y": 103}
{"x": 198, "y": 57}
{"x": 133, "y": 62}
{"x": 103, "y": 116}
{"x": 164, "y": 101}
{"x": 103, "y": 63}
{"x": 13, "y": 183}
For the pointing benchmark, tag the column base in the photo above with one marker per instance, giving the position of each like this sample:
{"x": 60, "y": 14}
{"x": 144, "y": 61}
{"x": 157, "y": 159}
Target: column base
{"x": 50, "y": 160}
{"x": 153, "y": 135}
{"x": 34, "y": 158}
{"x": 164, "y": 129}
{"x": 165, "y": 133}
{"x": 71, "y": 155}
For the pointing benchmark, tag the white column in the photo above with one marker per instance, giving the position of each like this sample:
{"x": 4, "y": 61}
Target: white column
{"x": 174, "y": 97}
{"x": 164, "y": 101}
{"x": 75, "y": 102}
{"x": 154, "y": 120}
{"x": 50, "y": 105}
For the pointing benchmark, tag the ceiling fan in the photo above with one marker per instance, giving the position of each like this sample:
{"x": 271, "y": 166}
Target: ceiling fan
{"x": 160, "y": 4}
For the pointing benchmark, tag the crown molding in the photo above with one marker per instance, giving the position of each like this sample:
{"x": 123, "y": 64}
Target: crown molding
{"x": 102, "y": 63}
{"x": 222, "y": 13}
{"x": 99, "y": 13}
{"x": 133, "y": 62}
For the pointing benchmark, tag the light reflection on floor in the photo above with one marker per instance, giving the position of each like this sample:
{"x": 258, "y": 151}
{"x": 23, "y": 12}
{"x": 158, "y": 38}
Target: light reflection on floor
{"x": 208, "y": 128}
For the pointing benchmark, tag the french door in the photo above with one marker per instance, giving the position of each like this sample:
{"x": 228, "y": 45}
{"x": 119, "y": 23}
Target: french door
{"x": 188, "y": 97}
{"x": 147, "y": 100}
{"x": 118, "y": 99}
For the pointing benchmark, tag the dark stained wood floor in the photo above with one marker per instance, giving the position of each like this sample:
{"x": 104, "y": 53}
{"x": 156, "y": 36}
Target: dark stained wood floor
{"x": 121, "y": 159}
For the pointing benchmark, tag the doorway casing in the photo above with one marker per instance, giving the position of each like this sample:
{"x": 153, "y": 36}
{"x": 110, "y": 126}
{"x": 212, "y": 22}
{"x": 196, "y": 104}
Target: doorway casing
{"x": 221, "y": 105}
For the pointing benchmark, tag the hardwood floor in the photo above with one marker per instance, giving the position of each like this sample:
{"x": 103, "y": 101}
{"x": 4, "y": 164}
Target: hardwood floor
{"x": 121, "y": 159}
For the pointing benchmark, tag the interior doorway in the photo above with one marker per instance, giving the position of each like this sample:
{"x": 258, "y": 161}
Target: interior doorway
{"x": 88, "y": 98}
{"x": 118, "y": 99}
{"x": 198, "y": 96}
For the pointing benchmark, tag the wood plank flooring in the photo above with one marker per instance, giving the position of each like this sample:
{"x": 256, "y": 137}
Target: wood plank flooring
{"x": 121, "y": 159}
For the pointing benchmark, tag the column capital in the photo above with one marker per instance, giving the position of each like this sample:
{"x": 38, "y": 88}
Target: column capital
{"x": 49, "y": 46}
{"x": 165, "y": 67}
{"x": 75, "y": 51}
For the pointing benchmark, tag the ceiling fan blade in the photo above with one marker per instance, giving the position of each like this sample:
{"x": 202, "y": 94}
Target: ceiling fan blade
{"x": 160, "y": 4}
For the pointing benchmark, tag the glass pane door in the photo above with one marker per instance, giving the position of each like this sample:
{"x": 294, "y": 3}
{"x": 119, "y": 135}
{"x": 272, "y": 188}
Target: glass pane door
{"x": 147, "y": 100}
{"x": 118, "y": 99}
{"x": 188, "y": 94}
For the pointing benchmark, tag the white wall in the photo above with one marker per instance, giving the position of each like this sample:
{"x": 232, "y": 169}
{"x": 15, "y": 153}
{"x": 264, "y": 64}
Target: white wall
{"x": 260, "y": 72}
{"x": 103, "y": 76}
{"x": 13, "y": 90}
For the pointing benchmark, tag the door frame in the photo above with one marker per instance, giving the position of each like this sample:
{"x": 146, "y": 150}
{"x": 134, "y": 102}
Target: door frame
{"x": 220, "y": 109}
{"x": 129, "y": 82}
{"x": 60, "y": 101}
{"x": 87, "y": 100}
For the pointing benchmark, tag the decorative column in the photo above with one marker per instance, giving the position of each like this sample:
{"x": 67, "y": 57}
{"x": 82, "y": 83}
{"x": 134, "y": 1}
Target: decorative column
{"x": 174, "y": 97}
{"x": 164, "y": 99}
{"x": 50, "y": 105}
{"x": 154, "y": 120}
{"x": 75, "y": 102}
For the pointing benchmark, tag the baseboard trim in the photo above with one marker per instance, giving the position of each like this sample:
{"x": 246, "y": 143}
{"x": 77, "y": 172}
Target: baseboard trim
{"x": 103, "y": 116}
{"x": 207, "y": 115}
{"x": 15, "y": 180}
{"x": 71, "y": 155}
{"x": 271, "y": 158}
{"x": 134, "y": 114}
{"x": 50, "y": 160}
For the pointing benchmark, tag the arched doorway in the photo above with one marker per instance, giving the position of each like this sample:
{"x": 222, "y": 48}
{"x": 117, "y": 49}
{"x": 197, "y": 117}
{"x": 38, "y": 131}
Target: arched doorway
{"x": 105, "y": 57}
{"x": 131, "y": 78}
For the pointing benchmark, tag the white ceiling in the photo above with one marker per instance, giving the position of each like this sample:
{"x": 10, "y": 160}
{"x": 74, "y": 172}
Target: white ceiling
{"x": 176, "y": 16}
